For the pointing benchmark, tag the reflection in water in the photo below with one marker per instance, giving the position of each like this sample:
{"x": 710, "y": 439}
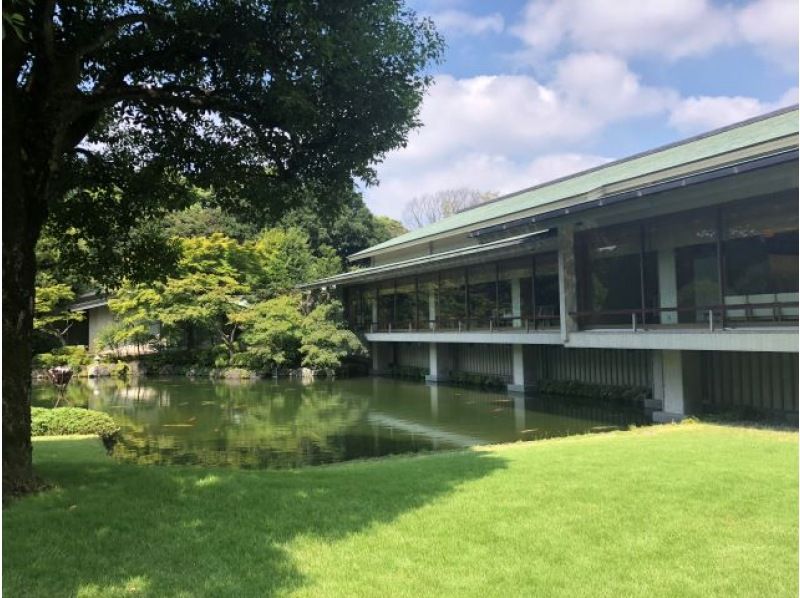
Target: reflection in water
{"x": 283, "y": 423}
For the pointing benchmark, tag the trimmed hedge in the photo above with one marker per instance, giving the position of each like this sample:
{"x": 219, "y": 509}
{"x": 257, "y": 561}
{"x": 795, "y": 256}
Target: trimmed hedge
{"x": 407, "y": 371}
{"x": 603, "y": 392}
{"x": 61, "y": 421}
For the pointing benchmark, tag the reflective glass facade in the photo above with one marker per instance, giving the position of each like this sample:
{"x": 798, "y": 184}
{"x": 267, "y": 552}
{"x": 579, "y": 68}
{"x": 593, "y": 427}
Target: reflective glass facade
{"x": 729, "y": 264}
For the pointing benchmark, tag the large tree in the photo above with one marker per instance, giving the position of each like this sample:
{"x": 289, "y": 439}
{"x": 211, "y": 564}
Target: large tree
{"x": 112, "y": 109}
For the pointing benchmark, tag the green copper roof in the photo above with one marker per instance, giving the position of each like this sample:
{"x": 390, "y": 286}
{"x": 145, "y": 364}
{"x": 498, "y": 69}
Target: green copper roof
{"x": 758, "y": 130}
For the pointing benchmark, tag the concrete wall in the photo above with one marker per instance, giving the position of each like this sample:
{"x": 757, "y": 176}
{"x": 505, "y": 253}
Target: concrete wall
{"x": 99, "y": 318}
{"x": 493, "y": 360}
{"x": 619, "y": 367}
{"x": 412, "y": 354}
{"x": 764, "y": 381}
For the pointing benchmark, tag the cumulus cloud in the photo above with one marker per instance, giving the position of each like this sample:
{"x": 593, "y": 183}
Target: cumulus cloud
{"x": 458, "y": 22}
{"x": 771, "y": 26}
{"x": 506, "y": 132}
{"x": 701, "y": 113}
{"x": 482, "y": 171}
{"x": 515, "y": 113}
{"x": 672, "y": 29}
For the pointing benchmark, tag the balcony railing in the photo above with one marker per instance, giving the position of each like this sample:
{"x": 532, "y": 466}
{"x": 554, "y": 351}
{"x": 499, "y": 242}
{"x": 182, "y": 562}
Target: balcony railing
{"x": 711, "y": 317}
{"x": 704, "y": 317}
{"x": 475, "y": 324}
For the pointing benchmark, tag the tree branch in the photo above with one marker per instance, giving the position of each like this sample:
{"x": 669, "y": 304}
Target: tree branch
{"x": 112, "y": 27}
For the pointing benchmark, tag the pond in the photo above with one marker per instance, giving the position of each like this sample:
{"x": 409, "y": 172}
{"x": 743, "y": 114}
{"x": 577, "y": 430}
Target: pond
{"x": 288, "y": 423}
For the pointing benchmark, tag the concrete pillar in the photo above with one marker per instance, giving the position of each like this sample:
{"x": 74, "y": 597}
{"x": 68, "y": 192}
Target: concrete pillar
{"x": 656, "y": 403}
{"x": 441, "y": 362}
{"x": 523, "y": 372}
{"x": 680, "y": 384}
{"x": 667, "y": 285}
{"x": 516, "y": 303}
{"x": 567, "y": 280}
{"x": 374, "y": 313}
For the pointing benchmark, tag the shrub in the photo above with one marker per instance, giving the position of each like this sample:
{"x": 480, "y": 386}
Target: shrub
{"x": 73, "y": 356}
{"x": 407, "y": 371}
{"x": 73, "y": 420}
{"x": 603, "y": 392}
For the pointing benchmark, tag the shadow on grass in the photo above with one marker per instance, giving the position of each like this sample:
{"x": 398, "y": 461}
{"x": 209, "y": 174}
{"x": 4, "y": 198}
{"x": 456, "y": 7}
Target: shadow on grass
{"x": 111, "y": 529}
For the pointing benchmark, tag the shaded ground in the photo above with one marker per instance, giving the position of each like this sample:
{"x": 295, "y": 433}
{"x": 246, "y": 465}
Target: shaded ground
{"x": 690, "y": 510}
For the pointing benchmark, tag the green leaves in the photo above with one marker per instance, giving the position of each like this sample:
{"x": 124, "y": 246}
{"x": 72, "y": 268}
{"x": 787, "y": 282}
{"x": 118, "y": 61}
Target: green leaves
{"x": 242, "y": 293}
{"x": 52, "y": 314}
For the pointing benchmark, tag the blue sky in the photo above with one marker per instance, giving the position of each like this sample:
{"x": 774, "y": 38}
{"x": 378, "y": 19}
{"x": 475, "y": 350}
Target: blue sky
{"x": 530, "y": 90}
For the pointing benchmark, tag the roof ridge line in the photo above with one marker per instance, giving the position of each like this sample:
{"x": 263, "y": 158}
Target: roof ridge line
{"x": 655, "y": 150}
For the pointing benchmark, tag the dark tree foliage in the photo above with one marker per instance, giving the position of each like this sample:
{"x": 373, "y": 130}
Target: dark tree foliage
{"x": 200, "y": 220}
{"x": 349, "y": 227}
{"x": 112, "y": 109}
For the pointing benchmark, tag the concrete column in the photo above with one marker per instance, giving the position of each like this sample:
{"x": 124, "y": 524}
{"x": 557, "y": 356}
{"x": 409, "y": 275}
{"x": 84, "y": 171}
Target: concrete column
{"x": 667, "y": 285}
{"x": 656, "y": 403}
{"x": 681, "y": 383}
{"x": 522, "y": 369}
{"x": 516, "y": 303}
{"x": 567, "y": 280}
{"x": 374, "y": 312}
{"x": 441, "y": 362}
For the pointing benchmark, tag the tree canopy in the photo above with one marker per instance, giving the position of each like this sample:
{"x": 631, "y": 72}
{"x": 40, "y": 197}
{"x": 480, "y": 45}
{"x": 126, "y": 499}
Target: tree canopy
{"x": 242, "y": 296}
{"x": 113, "y": 110}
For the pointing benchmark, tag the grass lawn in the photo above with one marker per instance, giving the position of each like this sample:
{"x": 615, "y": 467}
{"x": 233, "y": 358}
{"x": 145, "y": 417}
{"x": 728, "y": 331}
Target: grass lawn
{"x": 689, "y": 510}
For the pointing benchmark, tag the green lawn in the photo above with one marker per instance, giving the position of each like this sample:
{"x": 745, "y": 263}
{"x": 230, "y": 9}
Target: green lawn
{"x": 689, "y": 510}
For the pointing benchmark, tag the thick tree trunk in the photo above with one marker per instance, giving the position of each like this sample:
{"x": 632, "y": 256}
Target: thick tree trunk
{"x": 24, "y": 211}
{"x": 19, "y": 267}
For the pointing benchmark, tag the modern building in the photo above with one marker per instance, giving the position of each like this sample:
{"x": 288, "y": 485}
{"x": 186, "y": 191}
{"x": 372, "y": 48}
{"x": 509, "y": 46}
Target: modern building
{"x": 675, "y": 270}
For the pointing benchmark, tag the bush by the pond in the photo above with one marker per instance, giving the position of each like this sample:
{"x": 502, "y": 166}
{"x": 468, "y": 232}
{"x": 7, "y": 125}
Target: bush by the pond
{"x": 474, "y": 379}
{"x": 602, "y": 392}
{"x": 63, "y": 421}
{"x": 73, "y": 356}
{"x": 407, "y": 371}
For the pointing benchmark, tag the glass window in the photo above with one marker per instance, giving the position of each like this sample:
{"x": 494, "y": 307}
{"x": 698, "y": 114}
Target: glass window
{"x": 385, "y": 305}
{"x": 482, "y": 295}
{"x": 760, "y": 240}
{"x": 427, "y": 303}
{"x": 682, "y": 260}
{"x": 367, "y": 306}
{"x": 406, "y": 303}
{"x": 351, "y": 299}
{"x": 610, "y": 275}
{"x": 515, "y": 291}
{"x": 452, "y": 299}
{"x": 545, "y": 288}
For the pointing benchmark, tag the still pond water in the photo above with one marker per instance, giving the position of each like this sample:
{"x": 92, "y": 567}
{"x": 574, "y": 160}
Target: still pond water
{"x": 286, "y": 423}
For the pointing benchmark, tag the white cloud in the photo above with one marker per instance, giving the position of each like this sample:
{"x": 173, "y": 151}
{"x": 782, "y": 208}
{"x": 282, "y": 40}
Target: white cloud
{"x": 672, "y": 29}
{"x": 702, "y": 113}
{"x": 508, "y": 114}
{"x": 481, "y": 171}
{"x": 506, "y": 132}
{"x": 458, "y": 22}
{"x": 771, "y": 26}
